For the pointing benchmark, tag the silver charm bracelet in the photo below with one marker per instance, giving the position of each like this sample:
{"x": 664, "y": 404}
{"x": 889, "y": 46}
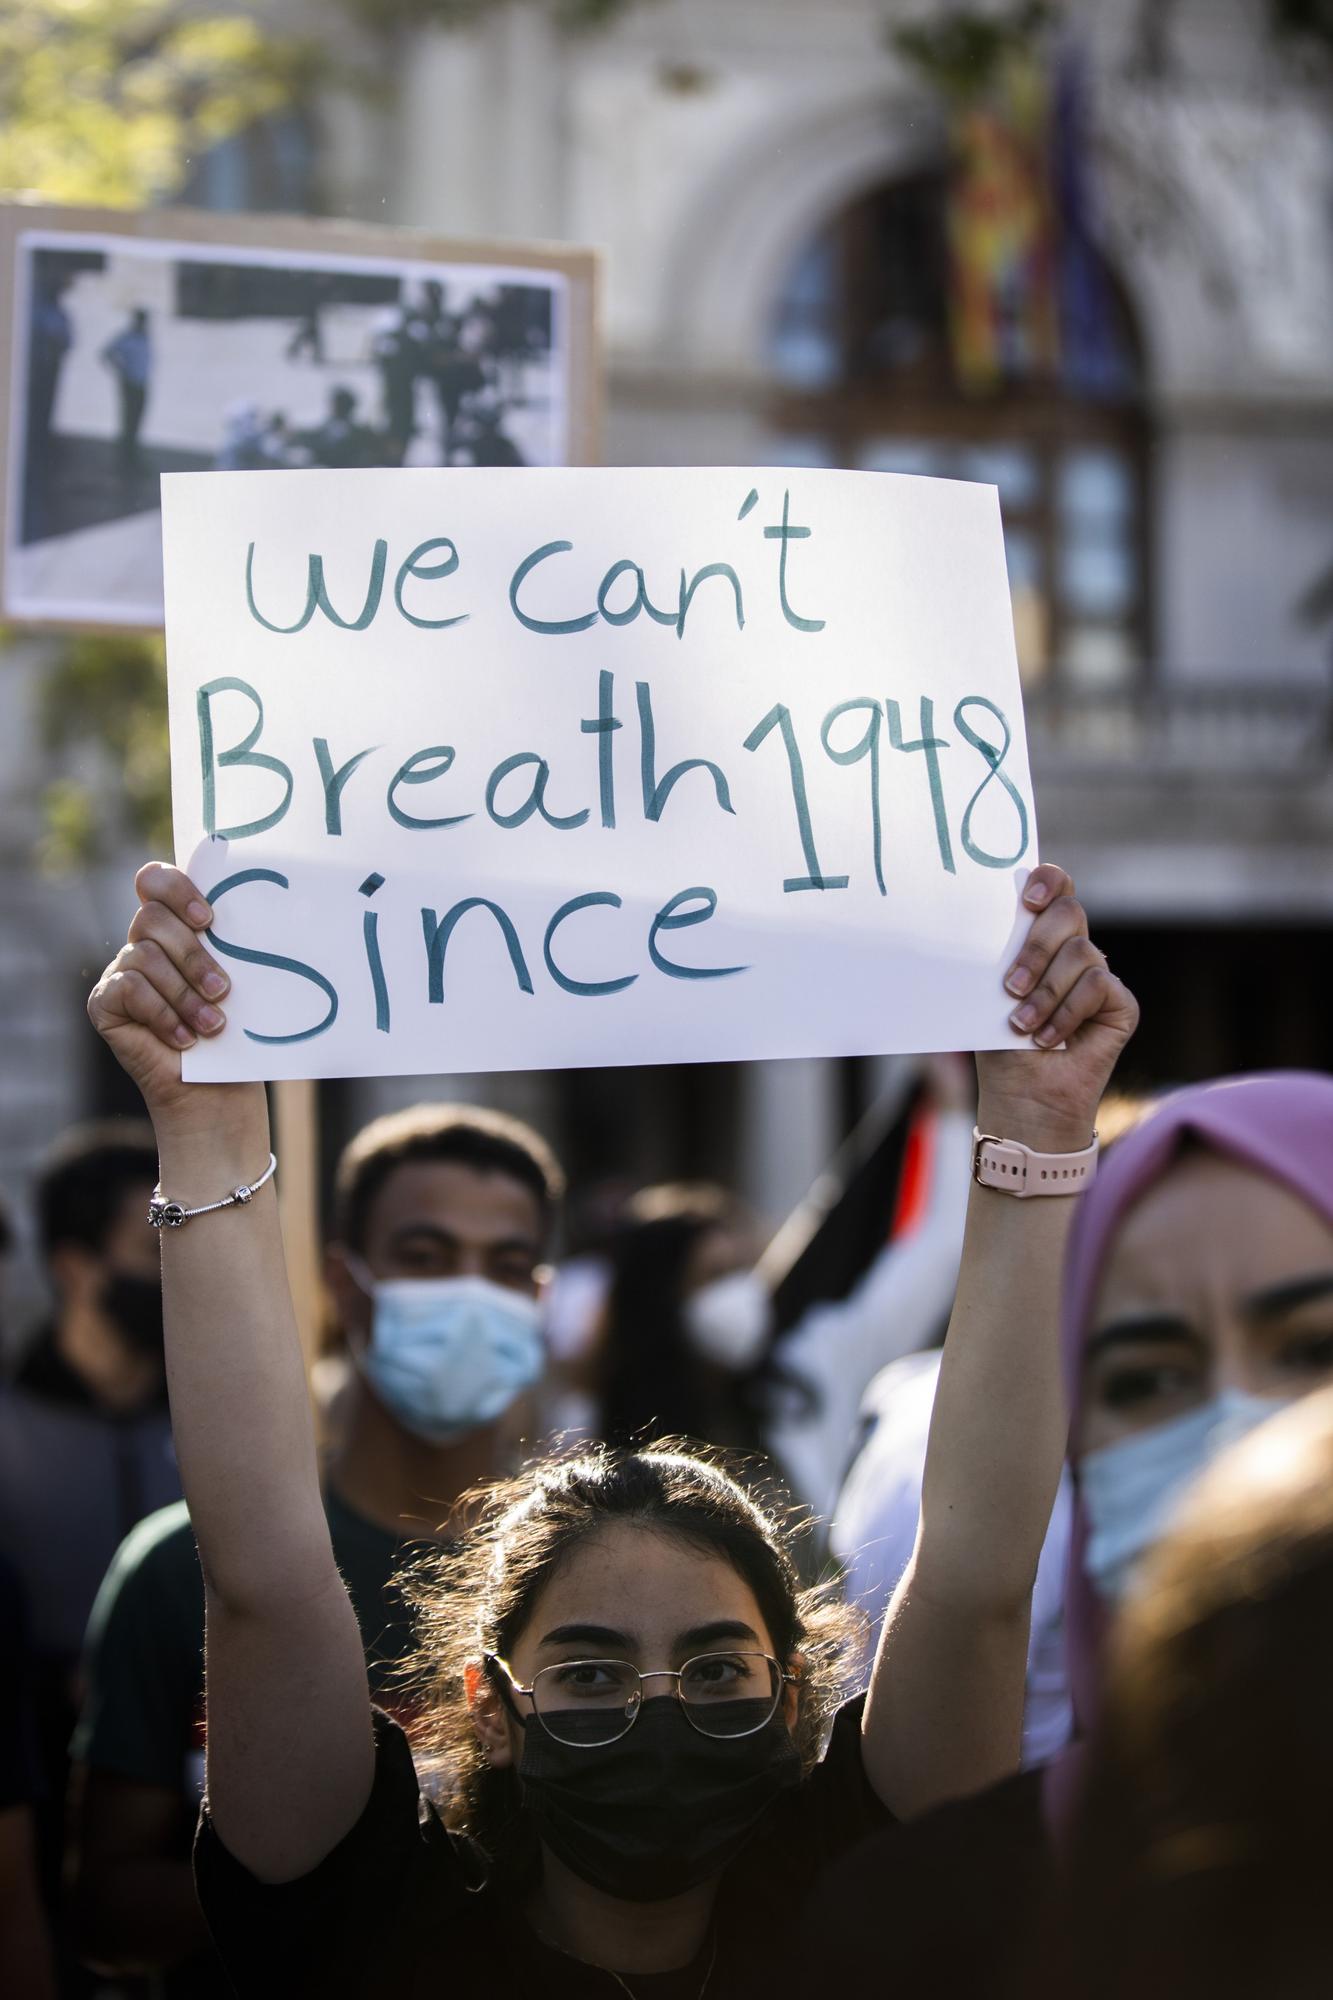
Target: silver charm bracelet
{"x": 164, "y": 1214}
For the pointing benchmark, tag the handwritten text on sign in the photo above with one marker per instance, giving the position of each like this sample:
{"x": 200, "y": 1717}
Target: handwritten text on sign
{"x": 525, "y": 769}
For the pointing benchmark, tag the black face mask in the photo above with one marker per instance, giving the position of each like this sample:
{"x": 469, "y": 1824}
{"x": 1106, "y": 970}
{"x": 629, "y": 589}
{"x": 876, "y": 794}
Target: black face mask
{"x": 134, "y": 1305}
{"x": 662, "y": 1809}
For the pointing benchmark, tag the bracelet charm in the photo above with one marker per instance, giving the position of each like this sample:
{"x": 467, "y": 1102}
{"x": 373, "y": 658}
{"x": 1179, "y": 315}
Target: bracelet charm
{"x": 165, "y": 1214}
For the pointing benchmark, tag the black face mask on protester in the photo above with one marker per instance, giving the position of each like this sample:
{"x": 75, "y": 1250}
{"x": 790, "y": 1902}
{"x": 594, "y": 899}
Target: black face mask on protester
{"x": 134, "y": 1305}
{"x": 658, "y": 1811}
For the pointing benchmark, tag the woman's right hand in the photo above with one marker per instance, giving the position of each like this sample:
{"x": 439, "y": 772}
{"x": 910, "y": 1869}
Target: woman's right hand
{"x": 162, "y": 991}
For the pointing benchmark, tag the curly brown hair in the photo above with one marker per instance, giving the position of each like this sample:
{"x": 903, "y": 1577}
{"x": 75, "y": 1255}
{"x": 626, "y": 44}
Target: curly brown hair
{"x": 476, "y": 1597}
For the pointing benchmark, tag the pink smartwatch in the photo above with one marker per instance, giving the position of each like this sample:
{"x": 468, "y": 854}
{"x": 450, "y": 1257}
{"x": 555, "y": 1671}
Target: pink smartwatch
{"x": 1012, "y": 1168}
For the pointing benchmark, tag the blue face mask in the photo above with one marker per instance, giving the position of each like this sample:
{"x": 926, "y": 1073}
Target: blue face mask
{"x": 448, "y": 1355}
{"x": 1131, "y": 1488}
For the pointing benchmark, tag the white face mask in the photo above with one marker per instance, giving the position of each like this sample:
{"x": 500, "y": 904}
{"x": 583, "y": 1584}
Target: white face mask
{"x": 729, "y": 1320}
{"x": 1131, "y": 1488}
{"x": 448, "y": 1355}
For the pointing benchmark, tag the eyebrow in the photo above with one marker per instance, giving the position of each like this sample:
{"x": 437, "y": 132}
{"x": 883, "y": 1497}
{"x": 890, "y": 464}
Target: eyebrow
{"x": 1159, "y": 1329}
{"x": 448, "y": 1238}
{"x": 718, "y": 1630}
{"x": 1164, "y": 1328}
{"x": 588, "y": 1635}
{"x": 1275, "y": 1300}
{"x": 697, "y": 1637}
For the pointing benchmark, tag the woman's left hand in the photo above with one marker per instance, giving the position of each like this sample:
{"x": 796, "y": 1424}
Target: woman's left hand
{"x": 1080, "y": 1015}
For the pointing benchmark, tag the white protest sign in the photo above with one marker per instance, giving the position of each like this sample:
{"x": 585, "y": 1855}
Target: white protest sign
{"x": 530, "y": 769}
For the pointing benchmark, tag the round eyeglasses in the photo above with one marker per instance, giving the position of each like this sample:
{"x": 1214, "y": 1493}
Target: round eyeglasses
{"x": 587, "y": 1703}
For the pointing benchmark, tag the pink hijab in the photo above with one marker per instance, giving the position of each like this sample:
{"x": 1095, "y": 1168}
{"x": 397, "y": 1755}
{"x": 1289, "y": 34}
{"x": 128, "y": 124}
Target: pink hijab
{"x": 1280, "y": 1123}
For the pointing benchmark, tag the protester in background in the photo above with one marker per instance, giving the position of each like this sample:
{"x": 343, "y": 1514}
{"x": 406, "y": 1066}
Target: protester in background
{"x": 481, "y": 438}
{"x": 26, "y": 1969}
{"x": 317, "y": 1868}
{"x": 129, "y": 356}
{"x": 676, "y": 1245}
{"x": 51, "y": 335}
{"x": 874, "y": 1531}
{"x": 85, "y": 1438}
{"x": 341, "y": 441}
{"x": 252, "y": 440}
{"x": 308, "y": 336}
{"x": 690, "y": 1345}
{"x": 443, "y": 1217}
{"x": 1200, "y": 1857}
{"x": 275, "y": 446}
{"x": 574, "y": 1307}
{"x": 1197, "y": 1294}
{"x": 454, "y": 374}
{"x": 899, "y": 1304}
{"x": 395, "y": 355}
{"x": 242, "y": 447}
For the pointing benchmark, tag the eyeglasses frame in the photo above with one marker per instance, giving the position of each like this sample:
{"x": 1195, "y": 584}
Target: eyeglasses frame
{"x": 509, "y": 1686}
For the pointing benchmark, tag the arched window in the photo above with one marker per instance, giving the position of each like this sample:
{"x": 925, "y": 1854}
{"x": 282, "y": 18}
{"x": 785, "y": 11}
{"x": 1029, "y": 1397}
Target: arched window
{"x": 861, "y": 347}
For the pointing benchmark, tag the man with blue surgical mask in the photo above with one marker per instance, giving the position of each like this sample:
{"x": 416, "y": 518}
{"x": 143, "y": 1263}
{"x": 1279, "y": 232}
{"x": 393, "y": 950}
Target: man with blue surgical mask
{"x": 443, "y": 1215}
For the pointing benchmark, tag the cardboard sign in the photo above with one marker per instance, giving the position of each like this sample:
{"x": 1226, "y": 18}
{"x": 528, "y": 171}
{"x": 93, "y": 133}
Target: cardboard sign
{"x": 486, "y": 770}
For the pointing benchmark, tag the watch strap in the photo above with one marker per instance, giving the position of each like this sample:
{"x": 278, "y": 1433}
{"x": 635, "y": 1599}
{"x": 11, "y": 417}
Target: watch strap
{"x": 1012, "y": 1168}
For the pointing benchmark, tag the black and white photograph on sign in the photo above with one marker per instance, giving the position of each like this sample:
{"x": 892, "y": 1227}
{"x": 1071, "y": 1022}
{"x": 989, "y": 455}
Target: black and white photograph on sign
{"x": 132, "y": 359}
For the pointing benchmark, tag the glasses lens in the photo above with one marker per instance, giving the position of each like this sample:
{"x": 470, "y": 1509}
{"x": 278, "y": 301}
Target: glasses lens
{"x": 585, "y": 1702}
{"x": 730, "y": 1694}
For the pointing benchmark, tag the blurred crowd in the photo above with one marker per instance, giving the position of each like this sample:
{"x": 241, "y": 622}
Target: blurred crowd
{"x": 449, "y": 379}
{"x": 1167, "y": 1833}
{"x": 452, "y": 375}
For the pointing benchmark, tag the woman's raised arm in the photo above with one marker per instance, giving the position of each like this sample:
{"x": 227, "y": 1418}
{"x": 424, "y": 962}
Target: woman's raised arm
{"x": 290, "y": 1754}
{"x": 945, "y": 1712}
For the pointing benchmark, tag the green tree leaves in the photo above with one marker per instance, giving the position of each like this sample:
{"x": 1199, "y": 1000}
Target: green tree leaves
{"x": 108, "y": 101}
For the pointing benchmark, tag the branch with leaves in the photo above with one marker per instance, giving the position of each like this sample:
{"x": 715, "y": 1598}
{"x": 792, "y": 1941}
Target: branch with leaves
{"x": 109, "y": 100}
{"x": 107, "y": 696}
{"x": 961, "y": 51}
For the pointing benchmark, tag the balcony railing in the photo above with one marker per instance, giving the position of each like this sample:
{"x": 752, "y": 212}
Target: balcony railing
{"x": 1262, "y": 731}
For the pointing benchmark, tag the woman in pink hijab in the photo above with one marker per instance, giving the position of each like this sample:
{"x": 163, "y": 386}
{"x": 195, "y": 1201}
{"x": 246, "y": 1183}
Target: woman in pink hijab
{"x": 1198, "y": 1300}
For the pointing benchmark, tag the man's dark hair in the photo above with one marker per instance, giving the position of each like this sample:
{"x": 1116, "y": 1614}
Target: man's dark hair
{"x": 84, "y": 1179}
{"x": 489, "y": 1141}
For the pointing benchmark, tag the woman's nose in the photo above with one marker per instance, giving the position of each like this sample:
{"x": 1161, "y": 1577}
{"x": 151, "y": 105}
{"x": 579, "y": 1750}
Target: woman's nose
{"x": 1242, "y": 1371}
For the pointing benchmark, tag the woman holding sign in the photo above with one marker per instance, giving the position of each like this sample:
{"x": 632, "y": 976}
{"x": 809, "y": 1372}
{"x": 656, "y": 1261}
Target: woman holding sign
{"x": 630, "y": 1686}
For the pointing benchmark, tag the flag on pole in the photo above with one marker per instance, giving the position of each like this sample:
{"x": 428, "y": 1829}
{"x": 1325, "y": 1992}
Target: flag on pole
{"x": 1004, "y": 316}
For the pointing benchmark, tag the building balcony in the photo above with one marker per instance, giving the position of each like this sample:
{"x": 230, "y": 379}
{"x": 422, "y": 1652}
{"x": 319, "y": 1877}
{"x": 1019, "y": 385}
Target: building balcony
{"x": 1201, "y": 800}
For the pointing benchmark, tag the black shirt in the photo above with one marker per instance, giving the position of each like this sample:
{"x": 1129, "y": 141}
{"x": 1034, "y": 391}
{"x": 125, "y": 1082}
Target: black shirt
{"x": 45, "y": 1372}
{"x": 74, "y": 1479}
{"x": 20, "y": 1776}
{"x": 956, "y": 1904}
{"x": 401, "y": 1907}
{"x": 143, "y": 1716}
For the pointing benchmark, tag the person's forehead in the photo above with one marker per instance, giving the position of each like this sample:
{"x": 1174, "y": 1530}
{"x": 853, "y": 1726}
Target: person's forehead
{"x": 474, "y": 1204}
{"x": 630, "y": 1579}
{"x": 1211, "y": 1224}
